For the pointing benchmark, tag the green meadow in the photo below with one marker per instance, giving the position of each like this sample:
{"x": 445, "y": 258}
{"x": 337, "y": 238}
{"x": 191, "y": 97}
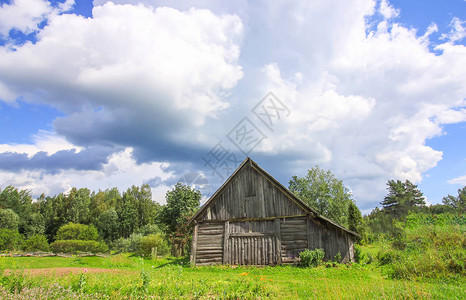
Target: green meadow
{"x": 123, "y": 276}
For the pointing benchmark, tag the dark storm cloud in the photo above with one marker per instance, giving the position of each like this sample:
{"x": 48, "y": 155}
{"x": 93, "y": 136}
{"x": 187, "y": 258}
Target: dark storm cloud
{"x": 91, "y": 158}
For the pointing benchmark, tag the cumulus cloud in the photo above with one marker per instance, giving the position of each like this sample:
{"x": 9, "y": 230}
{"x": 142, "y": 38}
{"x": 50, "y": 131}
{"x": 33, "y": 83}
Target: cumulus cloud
{"x": 171, "y": 82}
{"x": 120, "y": 170}
{"x": 129, "y": 67}
{"x": 26, "y": 15}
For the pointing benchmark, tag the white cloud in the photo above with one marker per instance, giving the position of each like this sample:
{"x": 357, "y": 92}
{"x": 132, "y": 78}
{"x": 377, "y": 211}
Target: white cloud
{"x": 387, "y": 10}
{"x": 461, "y": 180}
{"x": 457, "y": 32}
{"x": 26, "y": 15}
{"x": 165, "y": 65}
{"x": 120, "y": 171}
{"x": 43, "y": 141}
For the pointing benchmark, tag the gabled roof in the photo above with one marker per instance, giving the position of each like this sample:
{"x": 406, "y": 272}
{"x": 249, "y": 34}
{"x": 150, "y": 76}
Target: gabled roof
{"x": 278, "y": 185}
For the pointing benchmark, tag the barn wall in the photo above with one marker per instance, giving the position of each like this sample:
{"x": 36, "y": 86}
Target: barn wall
{"x": 250, "y": 195}
{"x": 293, "y": 232}
{"x": 209, "y": 244}
{"x": 330, "y": 238}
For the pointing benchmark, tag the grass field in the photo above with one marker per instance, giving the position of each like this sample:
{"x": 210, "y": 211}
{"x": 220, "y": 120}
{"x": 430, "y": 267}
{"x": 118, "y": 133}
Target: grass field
{"x": 131, "y": 277}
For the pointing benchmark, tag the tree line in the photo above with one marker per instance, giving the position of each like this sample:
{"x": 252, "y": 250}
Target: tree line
{"x": 128, "y": 219}
{"x": 115, "y": 215}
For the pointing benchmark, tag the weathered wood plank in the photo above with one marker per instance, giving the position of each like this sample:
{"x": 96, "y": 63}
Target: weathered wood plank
{"x": 226, "y": 236}
{"x": 194, "y": 245}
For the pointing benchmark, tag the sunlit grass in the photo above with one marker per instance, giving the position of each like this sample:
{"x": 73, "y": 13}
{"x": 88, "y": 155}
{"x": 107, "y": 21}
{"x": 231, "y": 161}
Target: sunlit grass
{"x": 173, "y": 278}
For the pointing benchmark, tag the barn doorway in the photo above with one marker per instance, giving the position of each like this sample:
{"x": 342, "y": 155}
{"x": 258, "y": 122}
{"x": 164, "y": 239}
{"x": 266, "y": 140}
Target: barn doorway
{"x": 251, "y": 243}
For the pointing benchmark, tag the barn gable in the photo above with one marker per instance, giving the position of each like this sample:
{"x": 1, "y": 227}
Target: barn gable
{"x": 252, "y": 219}
{"x": 250, "y": 194}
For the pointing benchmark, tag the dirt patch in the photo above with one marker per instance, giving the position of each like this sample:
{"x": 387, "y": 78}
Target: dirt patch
{"x": 68, "y": 271}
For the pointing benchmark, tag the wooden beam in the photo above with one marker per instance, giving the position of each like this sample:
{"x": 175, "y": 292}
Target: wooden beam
{"x": 251, "y": 234}
{"x": 252, "y": 219}
{"x": 194, "y": 245}
{"x": 226, "y": 236}
{"x": 278, "y": 241}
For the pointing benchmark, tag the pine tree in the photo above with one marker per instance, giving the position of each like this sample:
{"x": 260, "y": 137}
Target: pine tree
{"x": 402, "y": 198}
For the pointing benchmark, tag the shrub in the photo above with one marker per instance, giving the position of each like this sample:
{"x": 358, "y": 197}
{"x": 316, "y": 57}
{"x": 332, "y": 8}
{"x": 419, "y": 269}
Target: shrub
{"x": 150, "y": 241}
{"x": 337, "y": 257}
{"x": 311, "y": 258}
{"x": 10, "y": 239}
{"x": 37, "y": 242}
{"x": 387, "y": 256}
{"x": 74, "y": 231}
{"x": 73, "y": 246}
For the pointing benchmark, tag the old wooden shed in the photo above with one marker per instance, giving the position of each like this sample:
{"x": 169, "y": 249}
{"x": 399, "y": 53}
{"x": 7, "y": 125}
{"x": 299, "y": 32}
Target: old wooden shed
{"x": 254, "y": 220}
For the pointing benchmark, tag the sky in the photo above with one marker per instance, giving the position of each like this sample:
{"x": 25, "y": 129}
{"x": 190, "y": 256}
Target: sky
{"x": 103, "y": 94}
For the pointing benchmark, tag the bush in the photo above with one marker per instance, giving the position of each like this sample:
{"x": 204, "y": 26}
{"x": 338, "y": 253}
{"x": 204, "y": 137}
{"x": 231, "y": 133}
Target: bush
{"x": 142, "y": 245}
{"x": 387, "y": 256}
{"x": 150, "y": 241}
{"x": 73, "y": 246}
{"x": 37, "y": 242}
{"x": 73, "y": 231}
{"x": 10, "y": 239}
{"x": 311, "y": 258}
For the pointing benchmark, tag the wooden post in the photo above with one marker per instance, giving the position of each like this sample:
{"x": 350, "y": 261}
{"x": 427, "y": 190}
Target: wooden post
{"x": 308, "y": 230}
{"x": 194, "y": 245}
{"x": 278, "y": 241}
{"x": 226, "y": 236}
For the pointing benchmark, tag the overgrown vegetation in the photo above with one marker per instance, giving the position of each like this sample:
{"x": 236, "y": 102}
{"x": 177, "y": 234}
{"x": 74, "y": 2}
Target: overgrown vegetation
{"x": 311, "y": 258}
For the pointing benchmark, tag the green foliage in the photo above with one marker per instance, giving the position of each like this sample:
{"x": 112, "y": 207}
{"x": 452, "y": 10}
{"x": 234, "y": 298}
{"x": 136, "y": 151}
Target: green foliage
{"x": 361, "y": 256}
{"x": 153, "y": 241}
{"x": 458, "y": 204}
{"x": 10, "y": 239}
{"x": 36, "y": 242}
{"x": 141, "y": 244}
{"x": 34, "y": 224}
{"x": 9, "y": 219}
{"x": 355, "y": 222}
{"x": 323, "y": 192}
{"x": 107, "y": 223}
{"x": 181, "y": 201}
{"x": 18, "y": 201}
{"x": 136, "y": 209}
{"x": 72, "y": 231}
{"x": 312, "y": 258}
{"x": 402, "y": 198}
{"x": 337, "y": 257}
{"x": 73, "y": 246}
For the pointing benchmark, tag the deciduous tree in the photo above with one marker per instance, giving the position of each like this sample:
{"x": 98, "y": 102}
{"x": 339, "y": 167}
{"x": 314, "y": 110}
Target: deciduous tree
{"x": 323, "y": 192}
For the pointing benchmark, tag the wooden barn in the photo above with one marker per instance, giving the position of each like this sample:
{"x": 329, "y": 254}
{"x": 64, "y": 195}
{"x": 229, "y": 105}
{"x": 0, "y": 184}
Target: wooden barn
{"x": 254, "y": 220}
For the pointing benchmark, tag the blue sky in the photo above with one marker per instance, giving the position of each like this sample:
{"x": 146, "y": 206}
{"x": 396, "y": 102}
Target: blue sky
{"x": 102, "y": 94}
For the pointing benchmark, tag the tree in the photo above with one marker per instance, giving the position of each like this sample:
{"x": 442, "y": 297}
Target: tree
{"x": 20, "y": 202}
{"x": 402, "y": 198}
{"x": 182, "y": 201}
{"x": 33, "y": 225}
{"x": 323, "y": 192}
{"x": 457, "y": 203}
{"x": 9, "y": 219}
{"x": 107, "y": 223}
{"x": 355, "y": 222}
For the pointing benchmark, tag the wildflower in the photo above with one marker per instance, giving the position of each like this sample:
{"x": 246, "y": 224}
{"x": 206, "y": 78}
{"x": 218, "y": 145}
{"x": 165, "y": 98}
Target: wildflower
{"x": 85, "y": 270}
